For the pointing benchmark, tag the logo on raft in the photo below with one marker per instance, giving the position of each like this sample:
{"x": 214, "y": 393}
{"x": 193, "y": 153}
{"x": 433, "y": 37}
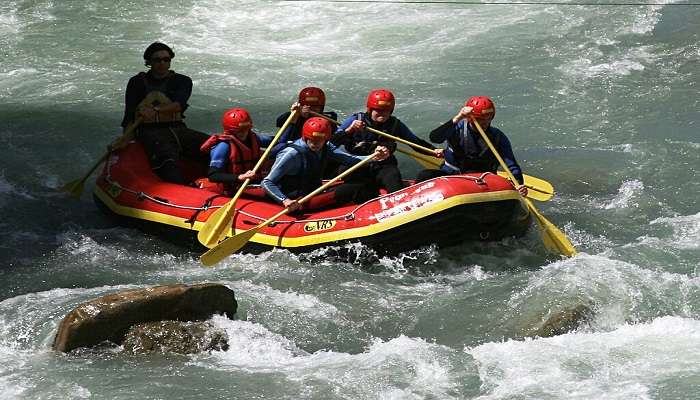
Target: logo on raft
{"x": 317, "y": 226}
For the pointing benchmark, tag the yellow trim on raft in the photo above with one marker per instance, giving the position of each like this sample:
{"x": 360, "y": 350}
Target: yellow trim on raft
{"x": 324, "y": 237}
{"x": 144, "y": 214}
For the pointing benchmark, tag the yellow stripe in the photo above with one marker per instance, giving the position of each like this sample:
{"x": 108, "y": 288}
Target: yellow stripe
{"x": 144, "y": 214}
{"x": 323, "y": 237}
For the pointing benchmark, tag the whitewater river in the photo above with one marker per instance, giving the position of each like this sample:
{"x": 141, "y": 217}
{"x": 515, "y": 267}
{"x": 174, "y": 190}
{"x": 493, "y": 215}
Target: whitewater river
{"x": 600, "y": 100}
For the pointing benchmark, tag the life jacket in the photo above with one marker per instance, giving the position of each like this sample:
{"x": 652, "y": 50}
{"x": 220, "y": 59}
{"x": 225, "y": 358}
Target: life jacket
{"x": 471, "y": 152}
{"x": 242, "y": 158}
{"x": 156, "y": 96}
{"x": 364, "y": 142}
{"x": 309, "y": 177}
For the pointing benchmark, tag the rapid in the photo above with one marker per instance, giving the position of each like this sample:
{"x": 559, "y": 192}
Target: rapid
{"x": 600, "y": 100}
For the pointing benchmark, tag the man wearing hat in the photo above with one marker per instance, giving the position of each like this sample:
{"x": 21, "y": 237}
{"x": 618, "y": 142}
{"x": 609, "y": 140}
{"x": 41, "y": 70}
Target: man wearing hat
{"x": 159, "y": 98}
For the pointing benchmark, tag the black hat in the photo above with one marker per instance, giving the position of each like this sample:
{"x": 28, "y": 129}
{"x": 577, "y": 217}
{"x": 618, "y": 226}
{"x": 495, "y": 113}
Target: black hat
{"x": 156, "y": 46}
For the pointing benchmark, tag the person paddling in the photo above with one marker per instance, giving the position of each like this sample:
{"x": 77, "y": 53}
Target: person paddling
{"x": 233, "y": 153}
{"x": 299, "y": 167}
{"x": 310, "y": 99}
{"x": 360, "y": 141}
{"x": 466, "y": 150}
{"x": 159, "y": 98}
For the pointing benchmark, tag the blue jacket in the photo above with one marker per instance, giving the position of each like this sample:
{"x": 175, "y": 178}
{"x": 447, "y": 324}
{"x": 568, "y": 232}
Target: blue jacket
{"x": 467, "y": 151}
{"x": 297, "y": 169}
{"x": 363, "y": 142}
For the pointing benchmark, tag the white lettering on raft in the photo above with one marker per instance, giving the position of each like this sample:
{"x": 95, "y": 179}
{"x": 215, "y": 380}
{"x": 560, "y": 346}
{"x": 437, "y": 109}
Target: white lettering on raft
{"x": 409, "y": 206}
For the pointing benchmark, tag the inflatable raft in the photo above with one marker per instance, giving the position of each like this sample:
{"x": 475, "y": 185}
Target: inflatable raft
{"x": 445, "y": 210}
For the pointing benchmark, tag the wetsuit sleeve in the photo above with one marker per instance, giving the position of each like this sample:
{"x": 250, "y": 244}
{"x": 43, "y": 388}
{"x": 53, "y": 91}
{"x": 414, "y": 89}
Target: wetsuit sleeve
{"x": 405, "y": 133}
{"x": 264, "y": 140}
{"x": 219, "y": 175}
{"x": 288, "y": 162}
{"x": 183, "y": 91}
{"x": 282, "y": 119}
{"x": 132, "y": 98}
{"x": 506, "y": 152}
{"x": 219, "y": 155}
{"x": 340, "y": 137}
{"x": 337, "y": 154}
{"x": 443, "y": 132}
{"x": 287, "y": 134}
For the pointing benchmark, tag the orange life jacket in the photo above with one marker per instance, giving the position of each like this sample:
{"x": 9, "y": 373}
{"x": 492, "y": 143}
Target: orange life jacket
{"x": 241, "y": 158}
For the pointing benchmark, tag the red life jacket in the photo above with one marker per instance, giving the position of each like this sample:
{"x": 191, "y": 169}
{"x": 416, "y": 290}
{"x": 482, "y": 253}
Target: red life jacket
{"x": 241, "y": 158}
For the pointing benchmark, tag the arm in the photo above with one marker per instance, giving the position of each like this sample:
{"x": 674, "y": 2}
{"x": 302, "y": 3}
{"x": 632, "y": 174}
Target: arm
{"x": 343, "y": 157}
{"x": 282, "y": 119}
{"x": 506, "y": 151}
{"x": 340, "y": 137}
{"x": 182, "y": 94}
{"x": 265, "y": 140}
{"x": 132, "y": 98}
{"x": 443, "y": 132}
{"x": 217, "y": 165}
{"x": 286, "y": 163}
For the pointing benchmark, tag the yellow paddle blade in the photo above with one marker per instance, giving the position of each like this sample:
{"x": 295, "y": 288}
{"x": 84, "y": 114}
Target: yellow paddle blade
{"x": 553, "y": 239}
{"x": 218, "y": 224}
{"x": 215, "y": 227}
{"x": 228, "y": 246}
{"x": 537, "y": 189}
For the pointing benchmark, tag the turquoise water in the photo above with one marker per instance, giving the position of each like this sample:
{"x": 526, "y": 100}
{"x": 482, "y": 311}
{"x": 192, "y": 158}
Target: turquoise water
{"x": 601, "y": 101}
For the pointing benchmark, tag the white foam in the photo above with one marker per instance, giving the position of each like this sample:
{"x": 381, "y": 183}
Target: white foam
{"x": 686, "y": 230}
{"x": 621, "y": 364}
{"x": 420, "y": 366}
{"x": 308, "y": 304}
{"x": 626, "y": 194}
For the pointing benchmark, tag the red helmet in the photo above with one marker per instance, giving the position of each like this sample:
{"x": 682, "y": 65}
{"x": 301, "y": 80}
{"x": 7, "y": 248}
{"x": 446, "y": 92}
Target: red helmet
{"x": 312, "y": 96}
{"x": 482, "y": 107}
{"x": 315, "y": 128}
{"x": 236, "y": 119}
{"x": 380, "y": 99}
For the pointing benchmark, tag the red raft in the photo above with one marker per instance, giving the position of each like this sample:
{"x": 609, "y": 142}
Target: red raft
{"x": 445, "y": 211}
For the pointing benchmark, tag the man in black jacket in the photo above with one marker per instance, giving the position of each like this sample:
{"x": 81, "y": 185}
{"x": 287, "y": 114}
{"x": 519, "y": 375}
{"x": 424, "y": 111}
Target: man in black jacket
{"x": 159, "y": 97}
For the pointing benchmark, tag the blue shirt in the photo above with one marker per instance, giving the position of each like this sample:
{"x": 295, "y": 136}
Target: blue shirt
{"x": 290, "y": 162}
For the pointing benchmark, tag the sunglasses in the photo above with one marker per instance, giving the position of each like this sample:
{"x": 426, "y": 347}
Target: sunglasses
{"x": 155, "y": 60}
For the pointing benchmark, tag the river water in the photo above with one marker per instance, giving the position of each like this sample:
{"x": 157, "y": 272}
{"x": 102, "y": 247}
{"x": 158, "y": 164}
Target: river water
{"x": 600, "y": 100}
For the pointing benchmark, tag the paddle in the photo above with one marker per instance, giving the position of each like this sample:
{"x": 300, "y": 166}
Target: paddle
{"x": 235, "y": 242}
{"x": 538, "y": 189}
{"x": 378, "y": 132}
{"x": 214, "y": 230}
{"x": 554, "y": 239}
{"x": 75, "y": 187}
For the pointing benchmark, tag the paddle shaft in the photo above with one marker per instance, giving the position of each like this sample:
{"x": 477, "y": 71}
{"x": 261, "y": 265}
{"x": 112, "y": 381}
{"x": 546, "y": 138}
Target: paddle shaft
{"x": 553, "y": 237}
{"x": 234, "y": 243}
{"x": 538, "y": 189}
{"x": 214, "y": 229}
{"x": 378, "y": 132}
{"x": 76, "y": 186}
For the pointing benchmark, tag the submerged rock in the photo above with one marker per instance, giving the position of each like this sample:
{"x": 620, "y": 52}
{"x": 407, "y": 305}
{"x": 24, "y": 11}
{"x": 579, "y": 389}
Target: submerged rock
{"x": 108, "y": 318}
{"x": 174, "y": 337}
{"x": 563, "y": 321}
